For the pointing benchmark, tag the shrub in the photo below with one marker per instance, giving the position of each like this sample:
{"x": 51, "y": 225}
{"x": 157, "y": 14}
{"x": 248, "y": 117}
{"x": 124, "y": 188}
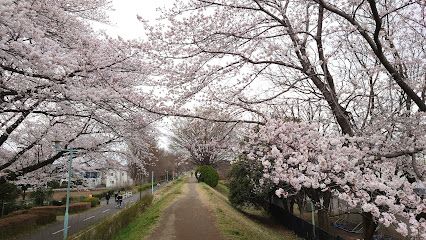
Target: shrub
{"x": 13, "y": 225}
{"x": 208, "y": 175}
{"x": 23, "y": 221}
{"x": 8, "y": 207}
{"x": 41, "y": 195}
{"x": 94, "y": 201}
{"x": 73, "y": 199}
{"x": 8, "y": 192}
{"x": 99, "y": 195}
{"x": 44, "y": 217}
{"x": 78, "y": 207}
{"x": 103, "y": 194}
{"x": 241, "y": 190}
{"x": 244, "y": 189}
{"x": 109, "y": 227}
{"x": 60, "y": 210}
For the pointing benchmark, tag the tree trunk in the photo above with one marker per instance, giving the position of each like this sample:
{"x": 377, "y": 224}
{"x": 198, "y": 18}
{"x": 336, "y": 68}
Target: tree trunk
{"x": 369, "y": 225}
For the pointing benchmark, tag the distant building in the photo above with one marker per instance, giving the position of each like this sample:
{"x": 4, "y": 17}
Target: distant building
{"x": 117, "y": 178}
{"x": 109, "y": 178}
{"x": 92, "y": 179}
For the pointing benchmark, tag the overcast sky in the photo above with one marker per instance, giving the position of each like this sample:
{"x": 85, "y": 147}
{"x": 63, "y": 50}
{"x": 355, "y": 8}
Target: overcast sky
{"x": 123, "y": 18}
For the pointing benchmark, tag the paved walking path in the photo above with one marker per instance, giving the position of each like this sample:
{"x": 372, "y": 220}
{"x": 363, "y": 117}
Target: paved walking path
{"x": 187, "y": 219}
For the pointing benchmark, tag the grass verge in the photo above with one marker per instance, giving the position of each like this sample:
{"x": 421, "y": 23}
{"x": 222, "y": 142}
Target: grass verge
{"x": 112, "y": 225}
{"x": 234, "y": 224}
{"x": 143, "y": 225}
{"x": 222, "y": 188}
{"x": 143, "y": 187}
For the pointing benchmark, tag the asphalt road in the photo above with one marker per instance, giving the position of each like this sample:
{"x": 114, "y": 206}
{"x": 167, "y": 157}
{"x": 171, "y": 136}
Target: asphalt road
{"x": 80, "y": 221}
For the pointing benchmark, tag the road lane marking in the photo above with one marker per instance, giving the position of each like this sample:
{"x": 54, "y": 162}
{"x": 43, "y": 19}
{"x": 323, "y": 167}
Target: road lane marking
{"x": 104, "y": 211}
{"x": 88, "y": 218}
{"x": 59, "y": 231}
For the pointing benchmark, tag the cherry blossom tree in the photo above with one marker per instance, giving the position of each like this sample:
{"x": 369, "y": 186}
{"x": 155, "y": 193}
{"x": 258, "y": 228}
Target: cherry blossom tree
{"x": 61, "y": 80}
{"x": 204, "y": 142}
{"x": 297, "y": 159}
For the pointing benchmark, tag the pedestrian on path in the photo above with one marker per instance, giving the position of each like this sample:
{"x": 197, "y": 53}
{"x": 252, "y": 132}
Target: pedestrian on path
{"x": 119, "y": 199}
{"x": 107, "y": 197}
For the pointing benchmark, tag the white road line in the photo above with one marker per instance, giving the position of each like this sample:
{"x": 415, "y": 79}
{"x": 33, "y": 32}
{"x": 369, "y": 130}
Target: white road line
{"x": 88, "y": 218}
{"x": 104, "y": 211}
{"x": 59, "y": 231}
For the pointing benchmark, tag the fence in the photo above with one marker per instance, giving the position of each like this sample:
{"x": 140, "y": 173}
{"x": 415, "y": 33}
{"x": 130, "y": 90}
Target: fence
{"x": 301, "y": 227}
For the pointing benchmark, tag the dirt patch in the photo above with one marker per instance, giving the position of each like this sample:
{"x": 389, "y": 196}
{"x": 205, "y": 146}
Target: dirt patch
{"x": 187, "y": 219}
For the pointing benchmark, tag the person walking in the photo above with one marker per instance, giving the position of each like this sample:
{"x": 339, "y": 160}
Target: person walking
{"x": 107, "y": 197}
{"x": 120, "y": 199}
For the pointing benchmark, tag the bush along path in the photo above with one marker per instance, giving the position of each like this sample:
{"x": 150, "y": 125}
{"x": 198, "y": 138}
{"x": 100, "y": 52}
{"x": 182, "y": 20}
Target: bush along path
{"x": 187, "y": 219}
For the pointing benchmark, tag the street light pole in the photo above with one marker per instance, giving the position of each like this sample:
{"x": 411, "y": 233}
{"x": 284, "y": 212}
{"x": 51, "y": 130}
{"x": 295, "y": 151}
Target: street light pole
{"x": 140, "y": 186}
{"x": 71, "y": 152}
{"x": 313, "y": 217}
{"x": 152, "y": 182}
{"x": 71, "y": 155}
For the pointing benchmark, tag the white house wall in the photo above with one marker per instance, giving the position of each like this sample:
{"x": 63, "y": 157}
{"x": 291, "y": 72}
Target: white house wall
{"x": 117, "y": 178}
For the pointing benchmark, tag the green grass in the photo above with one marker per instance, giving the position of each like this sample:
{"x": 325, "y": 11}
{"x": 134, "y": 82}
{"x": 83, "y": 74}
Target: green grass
{"x": 222, "y": 188}
{"x": 143, "y": 187}
{"x": 112, "y": 225}
{"x": 143, "y": 225}
{"x": 234, "y": 224}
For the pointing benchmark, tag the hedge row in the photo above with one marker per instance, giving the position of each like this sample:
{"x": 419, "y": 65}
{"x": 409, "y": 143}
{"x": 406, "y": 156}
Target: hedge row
{"x": 109, "y": 227}
{"x": 94, "y": 201}
{"x": 15, "y": 224}
{"x": 60, "y": 210}
{"x": 103, "y": 194}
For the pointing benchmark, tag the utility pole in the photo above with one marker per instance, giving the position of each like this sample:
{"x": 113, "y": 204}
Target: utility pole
{"x": 313, "y": 217}
{"x": 140, "y": 187}
{"x": 152, "y": 182}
